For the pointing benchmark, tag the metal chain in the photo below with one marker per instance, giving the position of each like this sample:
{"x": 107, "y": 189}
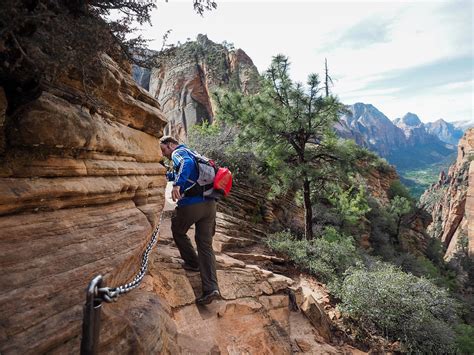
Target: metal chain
{"x": 111, "y": 294}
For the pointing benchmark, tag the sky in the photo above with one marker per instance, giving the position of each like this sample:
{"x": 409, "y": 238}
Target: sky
{"x": 400, "y": 56}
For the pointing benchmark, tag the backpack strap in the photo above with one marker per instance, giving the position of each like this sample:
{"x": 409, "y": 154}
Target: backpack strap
{"x": 195, "y": 189}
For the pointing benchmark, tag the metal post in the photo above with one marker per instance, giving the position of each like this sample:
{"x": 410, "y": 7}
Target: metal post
{"x": 91, "y": 320}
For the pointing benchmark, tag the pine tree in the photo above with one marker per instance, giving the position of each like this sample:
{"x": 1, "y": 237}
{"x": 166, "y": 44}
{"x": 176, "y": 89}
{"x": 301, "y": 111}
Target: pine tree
{"x": 43, "y": 40}
{"x": 290, "y": 127}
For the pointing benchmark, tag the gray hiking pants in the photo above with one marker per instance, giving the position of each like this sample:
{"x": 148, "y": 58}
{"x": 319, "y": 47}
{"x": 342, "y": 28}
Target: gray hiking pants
{"x": 203, "y": 215}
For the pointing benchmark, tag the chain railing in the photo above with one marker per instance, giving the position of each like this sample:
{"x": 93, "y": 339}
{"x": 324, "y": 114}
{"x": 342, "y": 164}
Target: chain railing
{"x": 96, "y": 294}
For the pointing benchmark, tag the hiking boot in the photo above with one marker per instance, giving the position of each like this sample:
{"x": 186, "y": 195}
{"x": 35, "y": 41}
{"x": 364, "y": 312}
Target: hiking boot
{"x": 208, "y": 297}
{"x": 190, "y": 267}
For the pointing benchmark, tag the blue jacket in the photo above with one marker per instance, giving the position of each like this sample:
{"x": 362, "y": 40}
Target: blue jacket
{"x": 185, "y": 169}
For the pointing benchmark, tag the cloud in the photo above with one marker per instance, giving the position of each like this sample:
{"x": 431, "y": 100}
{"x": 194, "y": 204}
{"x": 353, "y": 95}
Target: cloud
{"x": 467, "y": 85}
{"x": 426, "y": 77}
{"x": 367, "y": 32}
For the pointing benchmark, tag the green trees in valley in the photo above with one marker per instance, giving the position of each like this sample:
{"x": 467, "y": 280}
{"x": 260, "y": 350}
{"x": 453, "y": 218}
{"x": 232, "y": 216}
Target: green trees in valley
{"x": 290, "y": 127}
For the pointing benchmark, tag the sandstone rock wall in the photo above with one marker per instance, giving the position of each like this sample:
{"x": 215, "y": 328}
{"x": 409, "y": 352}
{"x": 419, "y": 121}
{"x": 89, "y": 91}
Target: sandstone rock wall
{"x": 450, "y": 200}
{"x": 186, "y": 76}
{"x": 378, "y": 182}
{"x": 80, "y": 193}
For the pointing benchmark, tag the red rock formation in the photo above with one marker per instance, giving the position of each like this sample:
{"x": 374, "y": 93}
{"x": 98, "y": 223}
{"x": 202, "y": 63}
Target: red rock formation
{"x": 378, "y": 182}
{"x": 186, "y": 76}
{"x": 80, "y": 193}
{"x": 450, "y": 201}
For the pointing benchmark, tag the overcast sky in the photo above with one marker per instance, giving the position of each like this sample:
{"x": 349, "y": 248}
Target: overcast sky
{"x": 400, "y": 56}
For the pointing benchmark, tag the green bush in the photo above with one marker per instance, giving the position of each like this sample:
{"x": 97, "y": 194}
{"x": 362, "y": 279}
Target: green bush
{"x": 327, "y": 257}
{"x": 383, "y": 229}
{"x": 401, "y": 306}
{"x": 465, "y": 339}
{"x": 398, "y": 189}
{"x": 435, "y": 251}
{"x": 350, "y": 203}
{"x": 382, "y": 165}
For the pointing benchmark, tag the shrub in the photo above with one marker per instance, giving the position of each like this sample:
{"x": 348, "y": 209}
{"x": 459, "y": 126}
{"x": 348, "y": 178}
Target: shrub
{"x": 382, "y": 165}
{"x": 435, "y": 251}
{"x": 398, "y": 189}
{"x": 350, "y": 203}
{"x": 383, "y": 229}
{"x": 327, "y": 257}
{"x": 401, "y": 306}
{"x": 465, "y": 339}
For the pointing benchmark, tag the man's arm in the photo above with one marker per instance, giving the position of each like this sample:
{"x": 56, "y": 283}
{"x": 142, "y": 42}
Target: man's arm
{"x": 184, "y": 165}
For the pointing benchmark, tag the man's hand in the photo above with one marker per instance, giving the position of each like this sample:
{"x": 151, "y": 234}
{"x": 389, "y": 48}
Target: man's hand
{"x": 175, "y": 194}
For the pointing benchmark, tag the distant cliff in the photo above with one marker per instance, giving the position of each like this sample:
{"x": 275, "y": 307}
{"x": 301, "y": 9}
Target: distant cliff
{"x": 405, "y": 142}
{"x": 185, "y": 77}
{"x": 445, "y": 131}
{"x": 451, "y": 200}
{"x": 377, "y": 131}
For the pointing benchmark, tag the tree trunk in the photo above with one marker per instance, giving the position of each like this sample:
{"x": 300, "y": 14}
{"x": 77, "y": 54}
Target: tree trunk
{"x": 308, "y": 210}
{"x": 326, "y": 76}
{"x": 397, "y": 236}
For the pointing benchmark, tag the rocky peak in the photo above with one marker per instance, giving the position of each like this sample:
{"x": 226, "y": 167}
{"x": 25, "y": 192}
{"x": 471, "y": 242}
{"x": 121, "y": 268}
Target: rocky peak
{"x": 445, "y": 131}
{"x": 379, "y": 133}
{"x": 412, "y": 128}
{"x": 186, "y": 76}
{"x": 410, "y": 119}
{"x": 367, "y": 113}
{"x": 403, "y": 142}
{"x": 463, "y": 125}
{"x": 415, "y": 132}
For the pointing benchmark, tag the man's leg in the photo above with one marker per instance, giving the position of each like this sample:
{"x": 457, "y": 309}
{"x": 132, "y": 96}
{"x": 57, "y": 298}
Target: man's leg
{"x": 205, "y": 230}
{"x": 181, "y": 221}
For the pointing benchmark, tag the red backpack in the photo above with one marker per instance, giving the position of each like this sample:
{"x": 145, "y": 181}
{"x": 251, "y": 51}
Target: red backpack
{"x": 223, "y": 181}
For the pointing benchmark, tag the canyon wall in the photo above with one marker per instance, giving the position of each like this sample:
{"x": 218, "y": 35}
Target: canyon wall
{"x": 81, "y": 191}
{"x": 450, "y": 200}
{"x": 186, "y": 76}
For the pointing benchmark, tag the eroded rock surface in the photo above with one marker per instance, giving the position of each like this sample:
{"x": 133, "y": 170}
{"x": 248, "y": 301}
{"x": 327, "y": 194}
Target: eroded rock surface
{"x": 450, "y": 201}
{"x": 80, "y": 194}
{"x": 186, "y": 77}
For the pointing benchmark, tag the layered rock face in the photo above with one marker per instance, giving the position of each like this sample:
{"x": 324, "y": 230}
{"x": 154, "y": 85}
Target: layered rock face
{"x": 80, "y": 192}
{"x": 378, "y": 182}
{"x": 450, "y": 200}
{"x": 187, "y": 75}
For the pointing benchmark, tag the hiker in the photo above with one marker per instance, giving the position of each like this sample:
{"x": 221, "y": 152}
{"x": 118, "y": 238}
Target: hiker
{"x": 192, "y": 208}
